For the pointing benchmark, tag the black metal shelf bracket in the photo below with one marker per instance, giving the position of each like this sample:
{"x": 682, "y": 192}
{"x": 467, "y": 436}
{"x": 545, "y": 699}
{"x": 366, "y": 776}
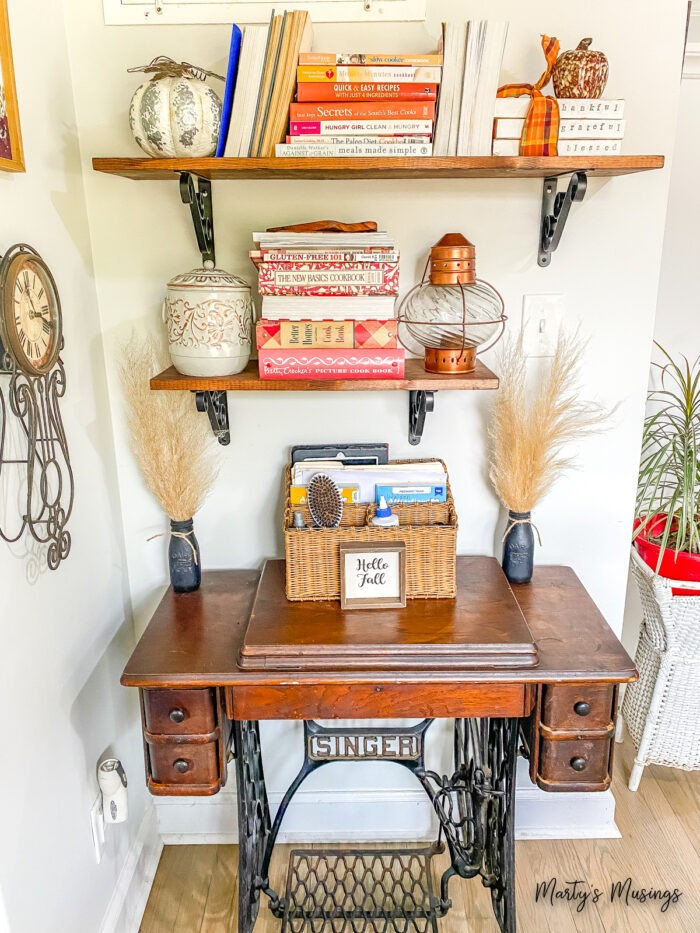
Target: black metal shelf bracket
{"x": 215, "y": 404}
{"x": 201, "y": 205}
{"x": 420, "y": 402}
{"x": 555, "y": 211}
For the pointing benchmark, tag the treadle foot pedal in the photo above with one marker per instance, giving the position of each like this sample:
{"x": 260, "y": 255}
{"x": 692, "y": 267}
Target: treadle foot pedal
{"x": 356, "y": 890}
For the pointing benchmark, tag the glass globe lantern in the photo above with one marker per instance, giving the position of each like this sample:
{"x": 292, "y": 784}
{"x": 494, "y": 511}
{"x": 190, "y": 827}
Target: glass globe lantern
{"x": 451, "y": 313}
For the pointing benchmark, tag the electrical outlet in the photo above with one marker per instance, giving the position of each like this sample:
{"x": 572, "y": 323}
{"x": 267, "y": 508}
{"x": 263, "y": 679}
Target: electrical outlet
{"x": 542, "y": 316}
{"x": 97, "y": 822}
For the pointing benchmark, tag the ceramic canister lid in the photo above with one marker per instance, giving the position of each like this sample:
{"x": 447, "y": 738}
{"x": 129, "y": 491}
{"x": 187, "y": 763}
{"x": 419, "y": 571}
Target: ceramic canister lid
{"x": 209, "y": 277}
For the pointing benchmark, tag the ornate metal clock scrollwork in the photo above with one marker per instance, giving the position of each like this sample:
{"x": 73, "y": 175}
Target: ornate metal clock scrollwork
{"x": 30, "y": 342}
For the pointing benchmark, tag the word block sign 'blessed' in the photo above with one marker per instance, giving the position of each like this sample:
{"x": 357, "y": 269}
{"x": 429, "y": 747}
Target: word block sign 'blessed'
{"x": 373, "y": 576}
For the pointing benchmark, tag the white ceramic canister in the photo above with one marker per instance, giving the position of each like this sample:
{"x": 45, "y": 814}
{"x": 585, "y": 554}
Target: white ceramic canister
{"x": 209, "y": 314}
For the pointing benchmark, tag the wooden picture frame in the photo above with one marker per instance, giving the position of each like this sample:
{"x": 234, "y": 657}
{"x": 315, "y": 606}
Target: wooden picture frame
{"x": 371, "y": 562}
{"x": 11, "y": 151}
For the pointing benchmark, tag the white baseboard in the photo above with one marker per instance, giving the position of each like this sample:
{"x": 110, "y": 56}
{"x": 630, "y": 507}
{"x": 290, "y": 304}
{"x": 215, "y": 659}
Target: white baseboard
{"x": 314, "y": 816}
{"x": 540, "y": 815}
{"x": 128, "y": 901}
{"x": 380, "y": 816}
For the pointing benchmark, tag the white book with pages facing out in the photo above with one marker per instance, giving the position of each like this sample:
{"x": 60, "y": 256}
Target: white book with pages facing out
{"x": 472, "y": 53}
{"x": 287, "y": 239}
{"x": 334, "y": 308}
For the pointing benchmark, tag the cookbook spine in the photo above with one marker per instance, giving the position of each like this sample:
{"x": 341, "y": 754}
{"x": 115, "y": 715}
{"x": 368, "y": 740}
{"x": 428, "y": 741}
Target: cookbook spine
{"x": 331, "y": 364}
{"x": 337, "y": 90}
{"x": 363, "y": 110}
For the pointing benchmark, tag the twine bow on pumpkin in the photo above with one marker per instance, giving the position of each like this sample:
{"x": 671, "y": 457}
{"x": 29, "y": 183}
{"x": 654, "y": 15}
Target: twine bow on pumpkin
{"x": 541, "y": 130}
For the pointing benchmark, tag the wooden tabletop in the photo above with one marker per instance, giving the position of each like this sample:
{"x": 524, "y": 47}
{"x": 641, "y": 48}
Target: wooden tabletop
{"x": 482, "y": 627}
{"x": 194, "y": 639}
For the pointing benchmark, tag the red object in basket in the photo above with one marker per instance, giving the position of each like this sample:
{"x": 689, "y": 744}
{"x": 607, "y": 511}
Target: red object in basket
{"x": 683, "y": 566}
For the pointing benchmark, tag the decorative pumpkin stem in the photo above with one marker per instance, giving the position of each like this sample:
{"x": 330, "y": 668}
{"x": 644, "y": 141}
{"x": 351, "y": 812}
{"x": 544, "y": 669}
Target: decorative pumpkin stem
{"x": 583, "y": 45}
{"x": 164, "y": 67}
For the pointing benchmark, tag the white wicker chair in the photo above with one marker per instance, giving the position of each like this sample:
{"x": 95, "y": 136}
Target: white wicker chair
{"x": 662, "y": 709}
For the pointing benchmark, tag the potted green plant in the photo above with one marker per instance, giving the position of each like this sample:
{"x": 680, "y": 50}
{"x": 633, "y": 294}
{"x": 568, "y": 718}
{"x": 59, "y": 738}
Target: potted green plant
{"x": 667, "y": 515}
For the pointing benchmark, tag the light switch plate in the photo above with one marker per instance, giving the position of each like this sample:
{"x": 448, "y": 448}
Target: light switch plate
{"x": 542, "y": 316}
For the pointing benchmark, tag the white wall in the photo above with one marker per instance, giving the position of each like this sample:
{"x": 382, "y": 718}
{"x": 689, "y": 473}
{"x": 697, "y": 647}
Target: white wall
{"x": 607, "y": 267}
{"x": 64, "y": 635}
{"x": 677, "y": 325}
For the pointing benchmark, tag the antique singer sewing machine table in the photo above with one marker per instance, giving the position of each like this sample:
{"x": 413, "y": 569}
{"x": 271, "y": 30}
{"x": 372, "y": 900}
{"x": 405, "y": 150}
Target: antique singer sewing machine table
{"x": 536, "y": 668}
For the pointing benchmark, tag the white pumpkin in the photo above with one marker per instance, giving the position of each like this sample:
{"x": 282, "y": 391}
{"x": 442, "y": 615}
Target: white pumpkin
{"x": 175, "y": 114}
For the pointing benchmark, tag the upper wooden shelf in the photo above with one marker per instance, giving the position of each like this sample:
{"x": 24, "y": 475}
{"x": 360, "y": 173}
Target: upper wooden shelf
{"x": 453, "y": 167}
{"x": 416, "y": 378}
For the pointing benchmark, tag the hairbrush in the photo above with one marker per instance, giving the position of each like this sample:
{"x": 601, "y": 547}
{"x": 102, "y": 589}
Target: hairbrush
{"x": 324, "y": 501}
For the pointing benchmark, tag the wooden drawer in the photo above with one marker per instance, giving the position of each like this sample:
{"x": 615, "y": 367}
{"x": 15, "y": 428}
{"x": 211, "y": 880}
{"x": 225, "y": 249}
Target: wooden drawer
{"x": 185, "y": 763}
{"x": 573, "y": 763}
{"x": 180, "y": 712}
{"x": 556, "y": 734}
{"x": 186, "y": 737}
{"x": 579, "y": 707}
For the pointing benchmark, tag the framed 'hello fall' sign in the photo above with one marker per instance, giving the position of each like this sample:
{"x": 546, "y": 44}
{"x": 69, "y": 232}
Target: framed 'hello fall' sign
{"x": 373, "y": 576}
{"x": 11, "y": 153}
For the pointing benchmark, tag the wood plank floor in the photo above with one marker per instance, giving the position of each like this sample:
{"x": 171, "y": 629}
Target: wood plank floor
{"x": 195, "y": 886}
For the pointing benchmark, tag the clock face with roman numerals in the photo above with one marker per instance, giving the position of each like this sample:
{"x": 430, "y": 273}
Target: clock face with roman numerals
{"x": 31, "y": 312}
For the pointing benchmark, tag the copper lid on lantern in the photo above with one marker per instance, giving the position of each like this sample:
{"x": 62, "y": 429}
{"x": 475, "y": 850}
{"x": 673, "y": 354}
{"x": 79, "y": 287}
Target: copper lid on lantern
{"x": 453, "y": 261}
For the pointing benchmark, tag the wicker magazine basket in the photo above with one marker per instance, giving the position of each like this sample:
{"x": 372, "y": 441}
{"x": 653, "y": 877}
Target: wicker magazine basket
{"x": 429, "y": 531}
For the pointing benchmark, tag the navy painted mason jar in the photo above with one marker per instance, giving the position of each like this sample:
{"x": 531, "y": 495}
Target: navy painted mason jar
{"x": 519, "y": 548}
{"x": 183, "y": 557}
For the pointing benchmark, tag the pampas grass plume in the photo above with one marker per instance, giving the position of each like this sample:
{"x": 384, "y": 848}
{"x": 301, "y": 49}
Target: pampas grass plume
{"x": 171, "y": 441}
{"x": 529, "y": 430}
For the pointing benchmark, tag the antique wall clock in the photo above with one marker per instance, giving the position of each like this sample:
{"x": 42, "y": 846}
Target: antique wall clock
{"x": 31, "y": 338}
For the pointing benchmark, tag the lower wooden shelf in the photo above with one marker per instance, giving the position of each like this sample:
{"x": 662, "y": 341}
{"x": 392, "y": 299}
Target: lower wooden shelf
{"x": 415, "y": 379}
{"x": 211, "y": 398}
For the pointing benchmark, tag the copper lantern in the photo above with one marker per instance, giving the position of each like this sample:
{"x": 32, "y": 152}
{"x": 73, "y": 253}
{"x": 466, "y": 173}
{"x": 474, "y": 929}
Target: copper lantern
{"x": 451, "y": 313}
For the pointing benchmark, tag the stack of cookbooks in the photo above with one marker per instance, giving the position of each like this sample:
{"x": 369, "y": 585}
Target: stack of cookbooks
{"x": 361, "y": 104}
{"x": 586, "y": 126}
{"x": 327, "y": 305}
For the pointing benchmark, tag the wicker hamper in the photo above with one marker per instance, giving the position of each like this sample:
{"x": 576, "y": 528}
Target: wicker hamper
{"x": 662, "y": 709}
{"x": 429, "y": 531}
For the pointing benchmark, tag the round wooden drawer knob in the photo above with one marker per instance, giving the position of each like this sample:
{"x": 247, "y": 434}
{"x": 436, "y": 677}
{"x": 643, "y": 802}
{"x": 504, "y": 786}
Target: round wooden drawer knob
{"x": 578, "y": 764}
{"x": 581, "y": 708}
{"x": 177, "y": 715}
{"x": 181, "y": 766}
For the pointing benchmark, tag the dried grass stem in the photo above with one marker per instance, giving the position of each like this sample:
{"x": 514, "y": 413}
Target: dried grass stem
{"x": 170, "y": 440}
{"x": 529, "y": 430}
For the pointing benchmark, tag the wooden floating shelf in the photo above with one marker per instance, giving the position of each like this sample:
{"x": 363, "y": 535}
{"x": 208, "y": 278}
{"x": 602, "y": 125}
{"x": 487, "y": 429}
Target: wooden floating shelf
{"x": 416, "y": 379}
{"x": 433, "y": 167}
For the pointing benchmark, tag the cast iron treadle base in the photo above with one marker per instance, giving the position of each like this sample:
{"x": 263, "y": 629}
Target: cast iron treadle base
{"x": 355, "y": 890}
